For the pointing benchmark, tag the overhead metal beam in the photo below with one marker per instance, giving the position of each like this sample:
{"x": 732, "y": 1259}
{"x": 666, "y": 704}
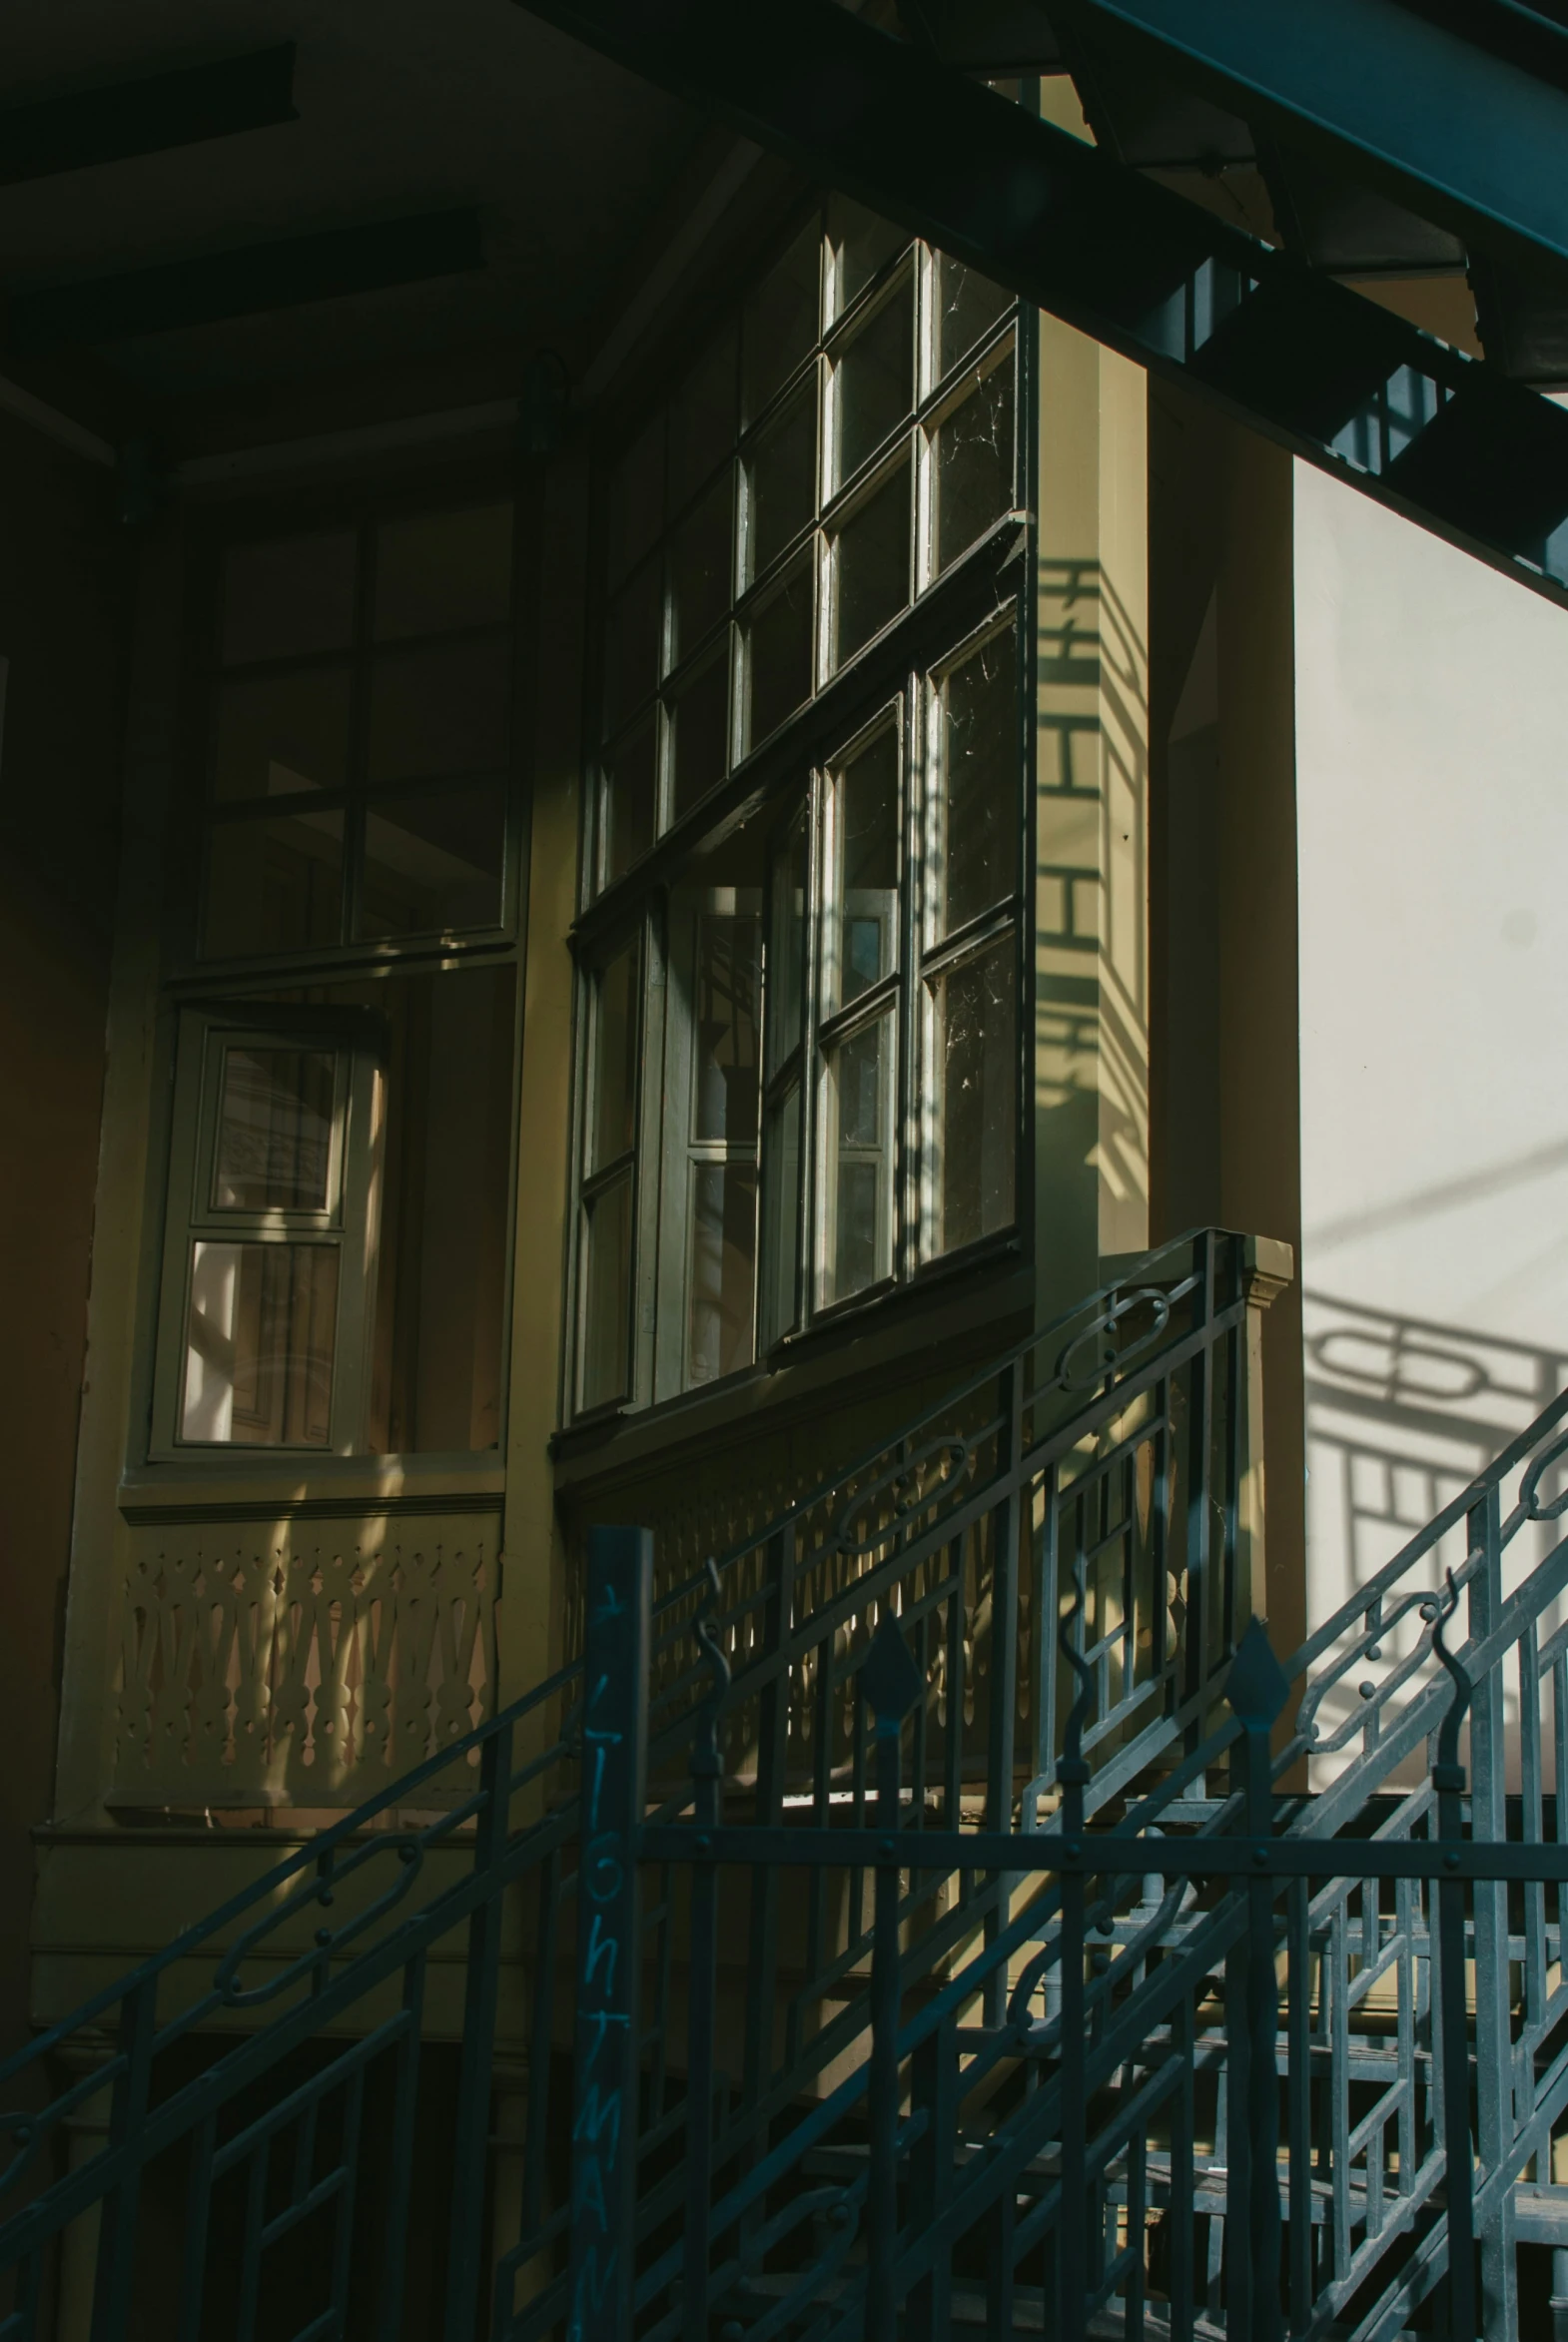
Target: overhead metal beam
{"x": 1460, "y": 113}
{"x": 145, "y": 114}
{"x": 1346, "y": 385}
{"x": 243, "y": 280}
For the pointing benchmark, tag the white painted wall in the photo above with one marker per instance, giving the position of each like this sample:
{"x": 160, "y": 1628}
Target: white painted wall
{"x": 1432, "y": 801}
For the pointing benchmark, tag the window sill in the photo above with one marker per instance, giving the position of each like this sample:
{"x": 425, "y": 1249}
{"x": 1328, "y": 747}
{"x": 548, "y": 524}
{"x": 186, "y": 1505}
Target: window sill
{"x": 251, "y": 1490}
{"x": 932, "y": 1325}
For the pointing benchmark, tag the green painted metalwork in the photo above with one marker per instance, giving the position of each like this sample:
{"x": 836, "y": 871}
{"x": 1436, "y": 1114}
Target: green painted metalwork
{"x": 909, "y": 2043}
{"x": 1446, "y": 441}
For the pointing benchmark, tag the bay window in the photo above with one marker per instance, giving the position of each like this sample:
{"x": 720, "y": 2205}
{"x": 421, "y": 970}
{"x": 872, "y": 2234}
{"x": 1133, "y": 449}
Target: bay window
{"x": 798, "y": 1081}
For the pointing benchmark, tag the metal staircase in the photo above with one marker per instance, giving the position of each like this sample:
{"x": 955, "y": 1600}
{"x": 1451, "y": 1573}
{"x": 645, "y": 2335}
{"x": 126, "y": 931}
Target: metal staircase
{"x": 941, "y": 1913}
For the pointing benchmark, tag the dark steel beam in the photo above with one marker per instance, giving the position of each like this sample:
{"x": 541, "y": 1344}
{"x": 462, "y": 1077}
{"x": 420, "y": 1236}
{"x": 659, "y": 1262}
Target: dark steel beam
{"x": 252, "y": 276}
{"x": 1478, "y": 460}
{"x": 1461, "y": 113}
{"x": 143, "y": 116}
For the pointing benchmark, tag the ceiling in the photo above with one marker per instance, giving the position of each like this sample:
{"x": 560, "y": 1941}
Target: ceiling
{"x": 403, "y": 107}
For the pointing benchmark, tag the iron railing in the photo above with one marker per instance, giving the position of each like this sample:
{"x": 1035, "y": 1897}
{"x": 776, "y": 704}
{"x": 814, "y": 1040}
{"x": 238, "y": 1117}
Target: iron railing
{"x": 761, "y": 2108}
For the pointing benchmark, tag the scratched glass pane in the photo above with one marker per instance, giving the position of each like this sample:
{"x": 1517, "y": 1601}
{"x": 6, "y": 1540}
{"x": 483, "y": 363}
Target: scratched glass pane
{"x": 871, "y": 566}
{"x": 971, "y": 476}
{"x": 781, "y": 482}
{"x": 613, "y": 1123}
{"x": 873, "y": 382}
{"x": 979, "y": 792}
{"x": 968, "y": 306}
{"x": 860, "y": 937}
{"x": 976, "y": 1084}
{"x": 860, "y": 244}
{"x": 778, "y": 654}
{"x": 857, "y": 1087}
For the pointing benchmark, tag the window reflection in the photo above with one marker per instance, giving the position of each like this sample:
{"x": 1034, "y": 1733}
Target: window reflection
{"x": 275, "y": 1130}
{"x": 260, "y": 1344}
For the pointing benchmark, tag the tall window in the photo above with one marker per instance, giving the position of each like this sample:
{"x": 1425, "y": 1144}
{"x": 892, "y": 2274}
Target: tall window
{"x": 337, "y": 1232}
{"x": 800, "y": 938}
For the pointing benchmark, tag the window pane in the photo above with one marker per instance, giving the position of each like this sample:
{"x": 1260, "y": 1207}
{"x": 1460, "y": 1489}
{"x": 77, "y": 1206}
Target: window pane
{"x": 275, "y": 1130}
{"x": 860, "y": 935}
{"x": 702, "y": 420}
{"x": 274, "y": 886}
{"x": 781, "y": 1173}
{"x": 432, "y": 860}
{"x": 976, "y": 1085}
{"x": 438, "y": 571}
{"x": 724, "y": 1037}
{"x": 636, "y": 513}
{"x": 859, "y": 244}
{"x": 259, "y": 1345}
{"x": 700, "y": 561}
{"x": 279, "y": 733}
{"x": 858, "y": 1087}
{"x": 781, "y": 482}
{"x": 873, "y": 382}
{"x": 699, "y": 731}
{"x": 439, "y": 711}
{"x": 871, "y": 566}
{"x": 606, "y": 1294}
{"x": 723, "y": 1270}
{"x": 778, "y": 655}
{"x": 972, "y": 470}
{"x": 968, "y": 306}
{"x": 430, "y": 1352}
{"x": 630, "y": 788}
{"x": 787, "y": 946}
{"x": 781, "y": 322}
{"x": 292, "y": 595}
{"x": 634, "y": 645}
{"x": 977, "y": 798}
{"x": 615, "y": 1036}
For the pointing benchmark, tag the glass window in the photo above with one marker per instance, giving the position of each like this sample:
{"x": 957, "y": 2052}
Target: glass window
{"x": 870, "y": 555}
{"x": 874, "y": 382}
{"x": 972, "y": 464}
{"x": 335, "y": 1264}
{"x": 975, "y": 806}
{"x": 969, "y": 307}
{"x": 305, "y": 703}
{"x": 276, "y": 1120}
{"x": 821, "y": 1002}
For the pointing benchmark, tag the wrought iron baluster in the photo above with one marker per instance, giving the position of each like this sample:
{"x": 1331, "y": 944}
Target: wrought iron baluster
{"x": 127, "y": 2112}
{"x": 1452, "y": 2028}
{"x": 1073, "y": 1772}
{"x": 1489, "y": 1910}
{"x": 399, "y": 2177}
{"x": 702, "y": 1997}
{"x": 891, "y": 1685}
{"x": 480, "y": 1987}
{"x": 934, "y": 2094}
{"x": 604, "y": 2093}
{"x": 1299, "y": 2098}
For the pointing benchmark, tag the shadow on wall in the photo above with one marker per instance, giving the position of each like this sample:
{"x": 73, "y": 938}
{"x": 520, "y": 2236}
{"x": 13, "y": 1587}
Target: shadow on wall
{"x": 1402, "y": 1414}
